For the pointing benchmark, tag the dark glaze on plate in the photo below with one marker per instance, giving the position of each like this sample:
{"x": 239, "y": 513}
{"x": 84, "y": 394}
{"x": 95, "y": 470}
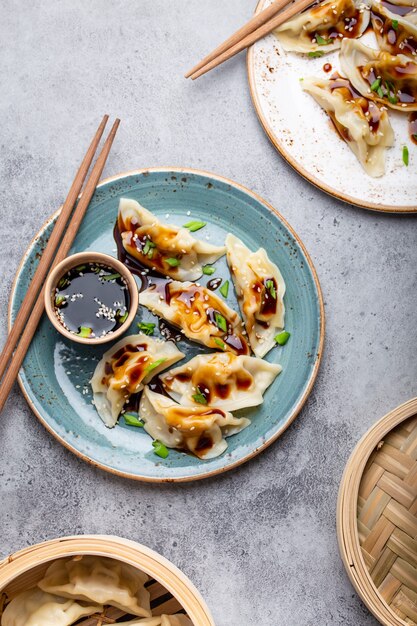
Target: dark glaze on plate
{"x": 347, "y": 22}
{"x": 371, "y": 111}
{"x": 398, "y": 40}
{"x": 92, "y": 300}
{"x": 398, "y": 78}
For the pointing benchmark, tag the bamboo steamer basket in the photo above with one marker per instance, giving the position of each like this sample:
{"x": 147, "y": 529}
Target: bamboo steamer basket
{"x": 170, "y": 590}
{"x": 377, "y": 517}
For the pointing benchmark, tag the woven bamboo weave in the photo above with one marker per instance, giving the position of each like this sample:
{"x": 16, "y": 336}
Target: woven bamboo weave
{"x": 387, "y": 519}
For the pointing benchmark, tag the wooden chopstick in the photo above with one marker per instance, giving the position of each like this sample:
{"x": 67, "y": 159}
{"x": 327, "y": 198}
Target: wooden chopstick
{"x": 47, "y": 256}
{"x": 265, "y": 29}
{"x": 253, "y": 24}
{"x": 62, "y": 252}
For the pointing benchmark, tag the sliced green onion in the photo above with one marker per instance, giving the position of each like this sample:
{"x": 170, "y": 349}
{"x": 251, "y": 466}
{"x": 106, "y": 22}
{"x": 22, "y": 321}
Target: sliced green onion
{"x": 132, "y": 419}
{"x": 405, "y": 155}
{"x": 220, "y": 343}
{"x": 199, "y": 397}
{"x": 147, "y": 249}
{"x": 154, "y": 365}
{"x": 146, "y": 327}
{"x": 282, "y": 338}
{"x": 64, "y": 282}
{"x": 193, "y": 226}
{"x": 85, "y": 331}
{"x": 315, "y": 55}
{"x": 124, "y": 317}
{"x": 321, "y": 41}
{"x": 208, "y": 270}
{"x": 224, "y": 289}
{"x": 80, "y": 268}
{"x": 395, "y": 24}
{"x": 160, "y": 449}
{"x": 111, "y": 276}
{"x": 59, "y": 300}
{"x": 376, "y": 84}
{"x": 380, "y": 92}
{"x": 392, "y": 99}
{"x": 271, "y": 288}
{"x": 220, "y": 321}
{"x": 173, "y": 262}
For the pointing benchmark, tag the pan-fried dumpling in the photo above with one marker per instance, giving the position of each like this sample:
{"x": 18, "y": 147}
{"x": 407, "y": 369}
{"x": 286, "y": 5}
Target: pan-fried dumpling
{"x": 160, "y": 620}
{"x": 101, "y": 580}
{"x": 125, "y": 369}
{"x": 201, "y": 315}
{"x": 322, "y": 27}
{"x": 380, "y": 76}
{"x": 361, "y": 123}
{"x": 394, "y": 33}
{"x": 260, "y": 290}
{"x": 168, "y": 249}
{"x": 221, "y": 379}
{"x": 199, "y": 429}
{"x": 37, "y": 608}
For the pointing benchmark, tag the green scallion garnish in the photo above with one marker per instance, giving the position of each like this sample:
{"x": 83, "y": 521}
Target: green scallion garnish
{"x": 395, "y": 24}
{"x": 220, "y": 343}
{"x": 147, "y": 249}
{"x": 405, "y": 155}
{"x": 160, "y": 449}
{"x": 315, "y": 55}
{"x": 149, "y": 368}
{"x": 173, "y": 262}
{"x": 224, "y": 289}
{"x": 271, "y": 288}
{"x": 220, "y": 321}
{"x": 80, "y": 268}
{"x": 132, "y": 419}
{"x": 199, "y": 397}
{"x": 85, "y": 331}
{"x": 321, "y": 41}
{"x": 376, "y": 84}
{"x": 59, "y": 300}
{"x": 123, "y": 318}
{"x": 208, "y": 270}
{"x": 194, "y": 225}
{"x": 282, "y": 338}
{"x": 146, "y": 327}
{"x": 111, "y": 276}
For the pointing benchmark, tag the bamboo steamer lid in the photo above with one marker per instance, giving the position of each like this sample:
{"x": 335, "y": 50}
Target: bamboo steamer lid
{"x": 377, "y": 517}
{"x": 171, "y": 591}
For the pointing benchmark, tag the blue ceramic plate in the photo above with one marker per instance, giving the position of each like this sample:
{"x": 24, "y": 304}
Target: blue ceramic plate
{"x": 56, "y": 373}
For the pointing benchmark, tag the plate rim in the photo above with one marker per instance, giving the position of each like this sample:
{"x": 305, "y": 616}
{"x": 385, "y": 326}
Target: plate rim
{"x": 279, "y": 146}
{"x": 297, "y": 408}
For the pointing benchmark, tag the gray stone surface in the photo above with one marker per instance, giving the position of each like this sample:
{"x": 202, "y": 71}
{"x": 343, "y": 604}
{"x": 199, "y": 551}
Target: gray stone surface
{"x": 258, "y": 542}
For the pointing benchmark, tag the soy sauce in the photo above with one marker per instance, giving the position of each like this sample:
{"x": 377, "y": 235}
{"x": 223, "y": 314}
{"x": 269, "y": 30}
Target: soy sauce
{"x": 412, "y": 126}
{"x": 92, "y": 300}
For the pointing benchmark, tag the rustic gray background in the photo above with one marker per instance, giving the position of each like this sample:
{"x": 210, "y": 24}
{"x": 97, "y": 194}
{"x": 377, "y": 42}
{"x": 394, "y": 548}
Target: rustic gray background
{"x": 259, "y": 542}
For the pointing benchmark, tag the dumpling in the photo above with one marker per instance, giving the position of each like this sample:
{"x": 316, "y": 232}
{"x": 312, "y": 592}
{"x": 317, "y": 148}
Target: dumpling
{"x": 125, "y": 369}
{"x": 361, "y": 123}
{"x": 101, "y": 580}
{"x": 199, "y": 429}
{"x": 170, "y": 250}
{"x": 260, "y": 290}
{"x": 321, "y": 28}
{"x": 380, "y": 76}
{"x": 394, "y": 33}
{"x": 161, "y": 620}
{"x": 201, "y": 315}
{"x": 221, "y": 379}
{"x": 37, "y": 608}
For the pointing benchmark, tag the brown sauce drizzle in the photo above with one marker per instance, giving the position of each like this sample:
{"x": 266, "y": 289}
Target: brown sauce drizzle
{"x": 396, "y": 72}
{"x": 370, "y": 110}
{"x": 214, "y": 283}
{"x": 412, "y": 126}
{"x": 400, "y": 39}
{"x": 346, "y": 23}
{"x": 327, "y": 67}
{"x": 268, "y": 306}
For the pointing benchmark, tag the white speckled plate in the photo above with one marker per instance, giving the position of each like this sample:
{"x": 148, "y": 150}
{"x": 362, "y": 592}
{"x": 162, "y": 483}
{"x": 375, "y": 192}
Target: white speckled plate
{"x": 304, "y": 135}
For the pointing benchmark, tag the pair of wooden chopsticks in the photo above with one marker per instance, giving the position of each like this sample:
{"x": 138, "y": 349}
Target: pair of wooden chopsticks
{"x": 260, "y": 25}
{"x": 31, "y": 310}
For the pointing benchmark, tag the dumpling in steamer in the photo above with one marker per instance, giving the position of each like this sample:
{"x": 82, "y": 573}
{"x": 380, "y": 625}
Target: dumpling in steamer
{"x": 101, "y": 580}
{"x": 37, "y": 608}
{"x": 322, "y": 27}
{"x": 201, "y": 315}
{"x": 170, "y": 250}
{"x": 380, "y": 76}
{"x": 394, "y": 33}
{"x": 260, "y": 289}
{"x": 361, "y": 123}
{"x": 199, "y": 429}
{"x": 221, "y": 379}
{"x": 125, "y": 369}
